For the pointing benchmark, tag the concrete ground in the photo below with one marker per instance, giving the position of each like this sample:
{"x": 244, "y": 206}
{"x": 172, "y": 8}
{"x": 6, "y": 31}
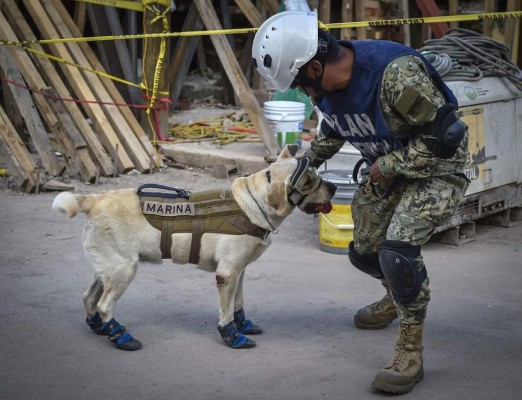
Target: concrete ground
{"x": 303, "y": 297}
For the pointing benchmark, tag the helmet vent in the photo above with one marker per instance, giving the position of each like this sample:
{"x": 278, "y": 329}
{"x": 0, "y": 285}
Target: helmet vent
{"x": 267, "y": 61}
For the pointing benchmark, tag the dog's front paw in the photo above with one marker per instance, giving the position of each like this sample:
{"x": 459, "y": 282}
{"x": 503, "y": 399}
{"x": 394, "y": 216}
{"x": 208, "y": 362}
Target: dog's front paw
{"x": 233, "y": 338}
{"x": 245, "y": 326}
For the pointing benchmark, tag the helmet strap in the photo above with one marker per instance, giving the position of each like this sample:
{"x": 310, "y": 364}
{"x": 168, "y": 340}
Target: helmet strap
{"x": 315, "y": 83}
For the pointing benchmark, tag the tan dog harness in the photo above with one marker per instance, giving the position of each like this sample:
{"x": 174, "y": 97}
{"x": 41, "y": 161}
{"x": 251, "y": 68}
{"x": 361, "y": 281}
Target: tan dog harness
{"x": 177, "y": 211}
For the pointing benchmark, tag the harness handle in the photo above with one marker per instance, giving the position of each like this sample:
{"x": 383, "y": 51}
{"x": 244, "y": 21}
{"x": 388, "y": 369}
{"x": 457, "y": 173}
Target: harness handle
{"x": 365, "y": 172}
{"x": 178, "y": 193}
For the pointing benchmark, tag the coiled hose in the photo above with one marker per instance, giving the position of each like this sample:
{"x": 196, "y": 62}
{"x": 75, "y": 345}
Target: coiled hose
{"x": 462, "y": 54}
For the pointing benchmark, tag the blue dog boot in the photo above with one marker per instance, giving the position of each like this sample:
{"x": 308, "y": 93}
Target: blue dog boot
{"x": 245, "y": 326}
{"x": 122, "y": 340}
{"x": 233, "y": 338}
{"x": 96, "y": 324}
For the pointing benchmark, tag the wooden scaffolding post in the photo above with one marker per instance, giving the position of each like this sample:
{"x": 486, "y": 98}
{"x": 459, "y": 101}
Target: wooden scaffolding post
{"x": 155, "y": 73}
{"x": 237, "y": 78}
{"x": 184, "y": 53}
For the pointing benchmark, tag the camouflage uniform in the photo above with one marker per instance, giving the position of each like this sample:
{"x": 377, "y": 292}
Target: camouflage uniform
{"x": 427, "y": 189}
{"x": 425, "y": 193}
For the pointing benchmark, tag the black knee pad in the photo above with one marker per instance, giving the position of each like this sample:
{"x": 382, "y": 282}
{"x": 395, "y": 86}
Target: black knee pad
{"x": 402, "y": 270}
{"x": 368, "y": 263}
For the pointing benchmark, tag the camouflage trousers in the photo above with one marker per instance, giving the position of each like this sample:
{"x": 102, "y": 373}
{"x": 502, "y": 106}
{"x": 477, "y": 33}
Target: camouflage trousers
{"x": 411, "y": 211}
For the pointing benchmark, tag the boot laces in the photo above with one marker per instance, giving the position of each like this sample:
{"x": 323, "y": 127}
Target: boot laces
{"x": 402, "y": 353}
{"x": 382, "y": 303}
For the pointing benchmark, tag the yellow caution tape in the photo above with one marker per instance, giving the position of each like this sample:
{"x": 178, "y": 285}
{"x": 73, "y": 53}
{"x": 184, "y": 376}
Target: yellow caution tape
{"x": 379, "y": 23}
{"x": 161, "y": 55}
{"x": 165, "y": 34}
{"x": 428, "y": 20}
{"x": 82, "y": 67}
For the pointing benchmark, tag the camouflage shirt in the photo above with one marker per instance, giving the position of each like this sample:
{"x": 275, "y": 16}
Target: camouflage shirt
{"x": 409, "y": 100}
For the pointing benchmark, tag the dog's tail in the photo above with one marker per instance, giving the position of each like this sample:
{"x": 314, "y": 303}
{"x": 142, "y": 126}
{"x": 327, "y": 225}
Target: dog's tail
{"x": 69, "y": 204}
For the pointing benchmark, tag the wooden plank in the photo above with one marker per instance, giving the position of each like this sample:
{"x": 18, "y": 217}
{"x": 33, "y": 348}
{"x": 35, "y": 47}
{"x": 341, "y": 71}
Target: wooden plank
{"x": 49, "y": 73}
{"x": 257, "y": 80}
{"x": 407, "y": 29}
{"x": 131, "y": 120}
{"x": 359, "y": 16}
{"x": 236, "y": 77}
{"x": 19, "y": 156}
{"x": 325, "y": 11}
{"x": 17, "y": 177}
{"x": 227, "y": 22}
{"x": 227, "y": 89}
{"x": 272, "y": 6}
{"x": 66, "y": 133}
{"x": 26, "y": 108}
{"x": 139, "y": 159}
{"x": 184, "y": 53}
{"x": 245, "y": 59}
{"x": 80, "y": 14}
{"x": 510, "y": 29}
{"x": 105, "y": 22}
{"x": 54, "y": 185}
{"x": 76, "y": 80}
{"x": 202, "y": 59}
{"x": 453, "y": 9}
{"x": 251, "y": 12}
{"x": 255, "y": 18}
{"x": 346, "y": 16}
{"x": 70, "y": 138}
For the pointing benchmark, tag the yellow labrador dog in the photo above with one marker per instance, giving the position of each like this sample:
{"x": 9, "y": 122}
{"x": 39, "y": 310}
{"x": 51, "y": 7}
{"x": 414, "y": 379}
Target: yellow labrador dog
{"x": 118, "y": 235}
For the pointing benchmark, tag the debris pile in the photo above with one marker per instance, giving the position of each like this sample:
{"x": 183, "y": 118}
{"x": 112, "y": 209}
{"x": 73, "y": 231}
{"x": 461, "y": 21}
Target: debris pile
{"x": 46, "y": 96}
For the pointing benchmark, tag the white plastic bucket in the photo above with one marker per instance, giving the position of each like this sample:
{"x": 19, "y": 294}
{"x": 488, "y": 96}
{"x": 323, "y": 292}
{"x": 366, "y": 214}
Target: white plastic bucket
{"x": 286, "y": 120}
{"x": 336, "y": 228}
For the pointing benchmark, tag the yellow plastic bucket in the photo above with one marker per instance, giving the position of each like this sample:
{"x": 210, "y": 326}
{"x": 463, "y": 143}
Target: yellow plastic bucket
{"x": 336, "y": 227}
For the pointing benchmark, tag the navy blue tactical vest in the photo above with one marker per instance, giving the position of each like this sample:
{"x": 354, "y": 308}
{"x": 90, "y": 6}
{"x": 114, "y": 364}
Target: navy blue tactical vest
{"x": 355, "y": 112}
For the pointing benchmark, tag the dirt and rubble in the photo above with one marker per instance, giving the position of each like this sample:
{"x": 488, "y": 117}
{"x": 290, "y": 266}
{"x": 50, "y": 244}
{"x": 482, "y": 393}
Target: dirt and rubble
{"x": 304, "y": 299}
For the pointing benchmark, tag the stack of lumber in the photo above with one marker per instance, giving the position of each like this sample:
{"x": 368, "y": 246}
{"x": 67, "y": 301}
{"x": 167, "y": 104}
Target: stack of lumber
{"x": 113, "y": 142}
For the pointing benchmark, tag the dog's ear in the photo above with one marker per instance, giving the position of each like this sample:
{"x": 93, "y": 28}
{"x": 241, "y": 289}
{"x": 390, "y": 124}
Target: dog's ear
{"x": 289, "y": 151}
{"x": 276, "y": 197}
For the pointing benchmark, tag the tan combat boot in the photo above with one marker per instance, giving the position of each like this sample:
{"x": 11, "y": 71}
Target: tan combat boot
{"x": 406, "y": 366}
{"x": 377, "y": 315}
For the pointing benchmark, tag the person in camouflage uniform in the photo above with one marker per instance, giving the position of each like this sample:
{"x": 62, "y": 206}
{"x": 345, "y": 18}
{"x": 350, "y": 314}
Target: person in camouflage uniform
{"x": 391, "y": 104}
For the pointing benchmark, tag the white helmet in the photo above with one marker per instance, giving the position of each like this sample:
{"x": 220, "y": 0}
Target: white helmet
{"x": 284, "y": 43}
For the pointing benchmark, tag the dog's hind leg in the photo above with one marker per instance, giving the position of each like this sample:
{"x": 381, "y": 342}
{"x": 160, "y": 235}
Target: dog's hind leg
{"x": 115, "y": 281}
{"x": 227, "y": 287}
{"x": 90, "y": 300}
{"x": 245, "y": 326}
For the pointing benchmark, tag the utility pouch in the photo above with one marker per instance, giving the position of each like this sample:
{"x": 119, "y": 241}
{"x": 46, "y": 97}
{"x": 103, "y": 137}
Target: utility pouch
{"x": 448, "y": 131}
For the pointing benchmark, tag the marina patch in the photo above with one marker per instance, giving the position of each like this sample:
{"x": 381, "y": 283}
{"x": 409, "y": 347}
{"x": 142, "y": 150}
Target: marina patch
{"x": 168, "y": 209}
